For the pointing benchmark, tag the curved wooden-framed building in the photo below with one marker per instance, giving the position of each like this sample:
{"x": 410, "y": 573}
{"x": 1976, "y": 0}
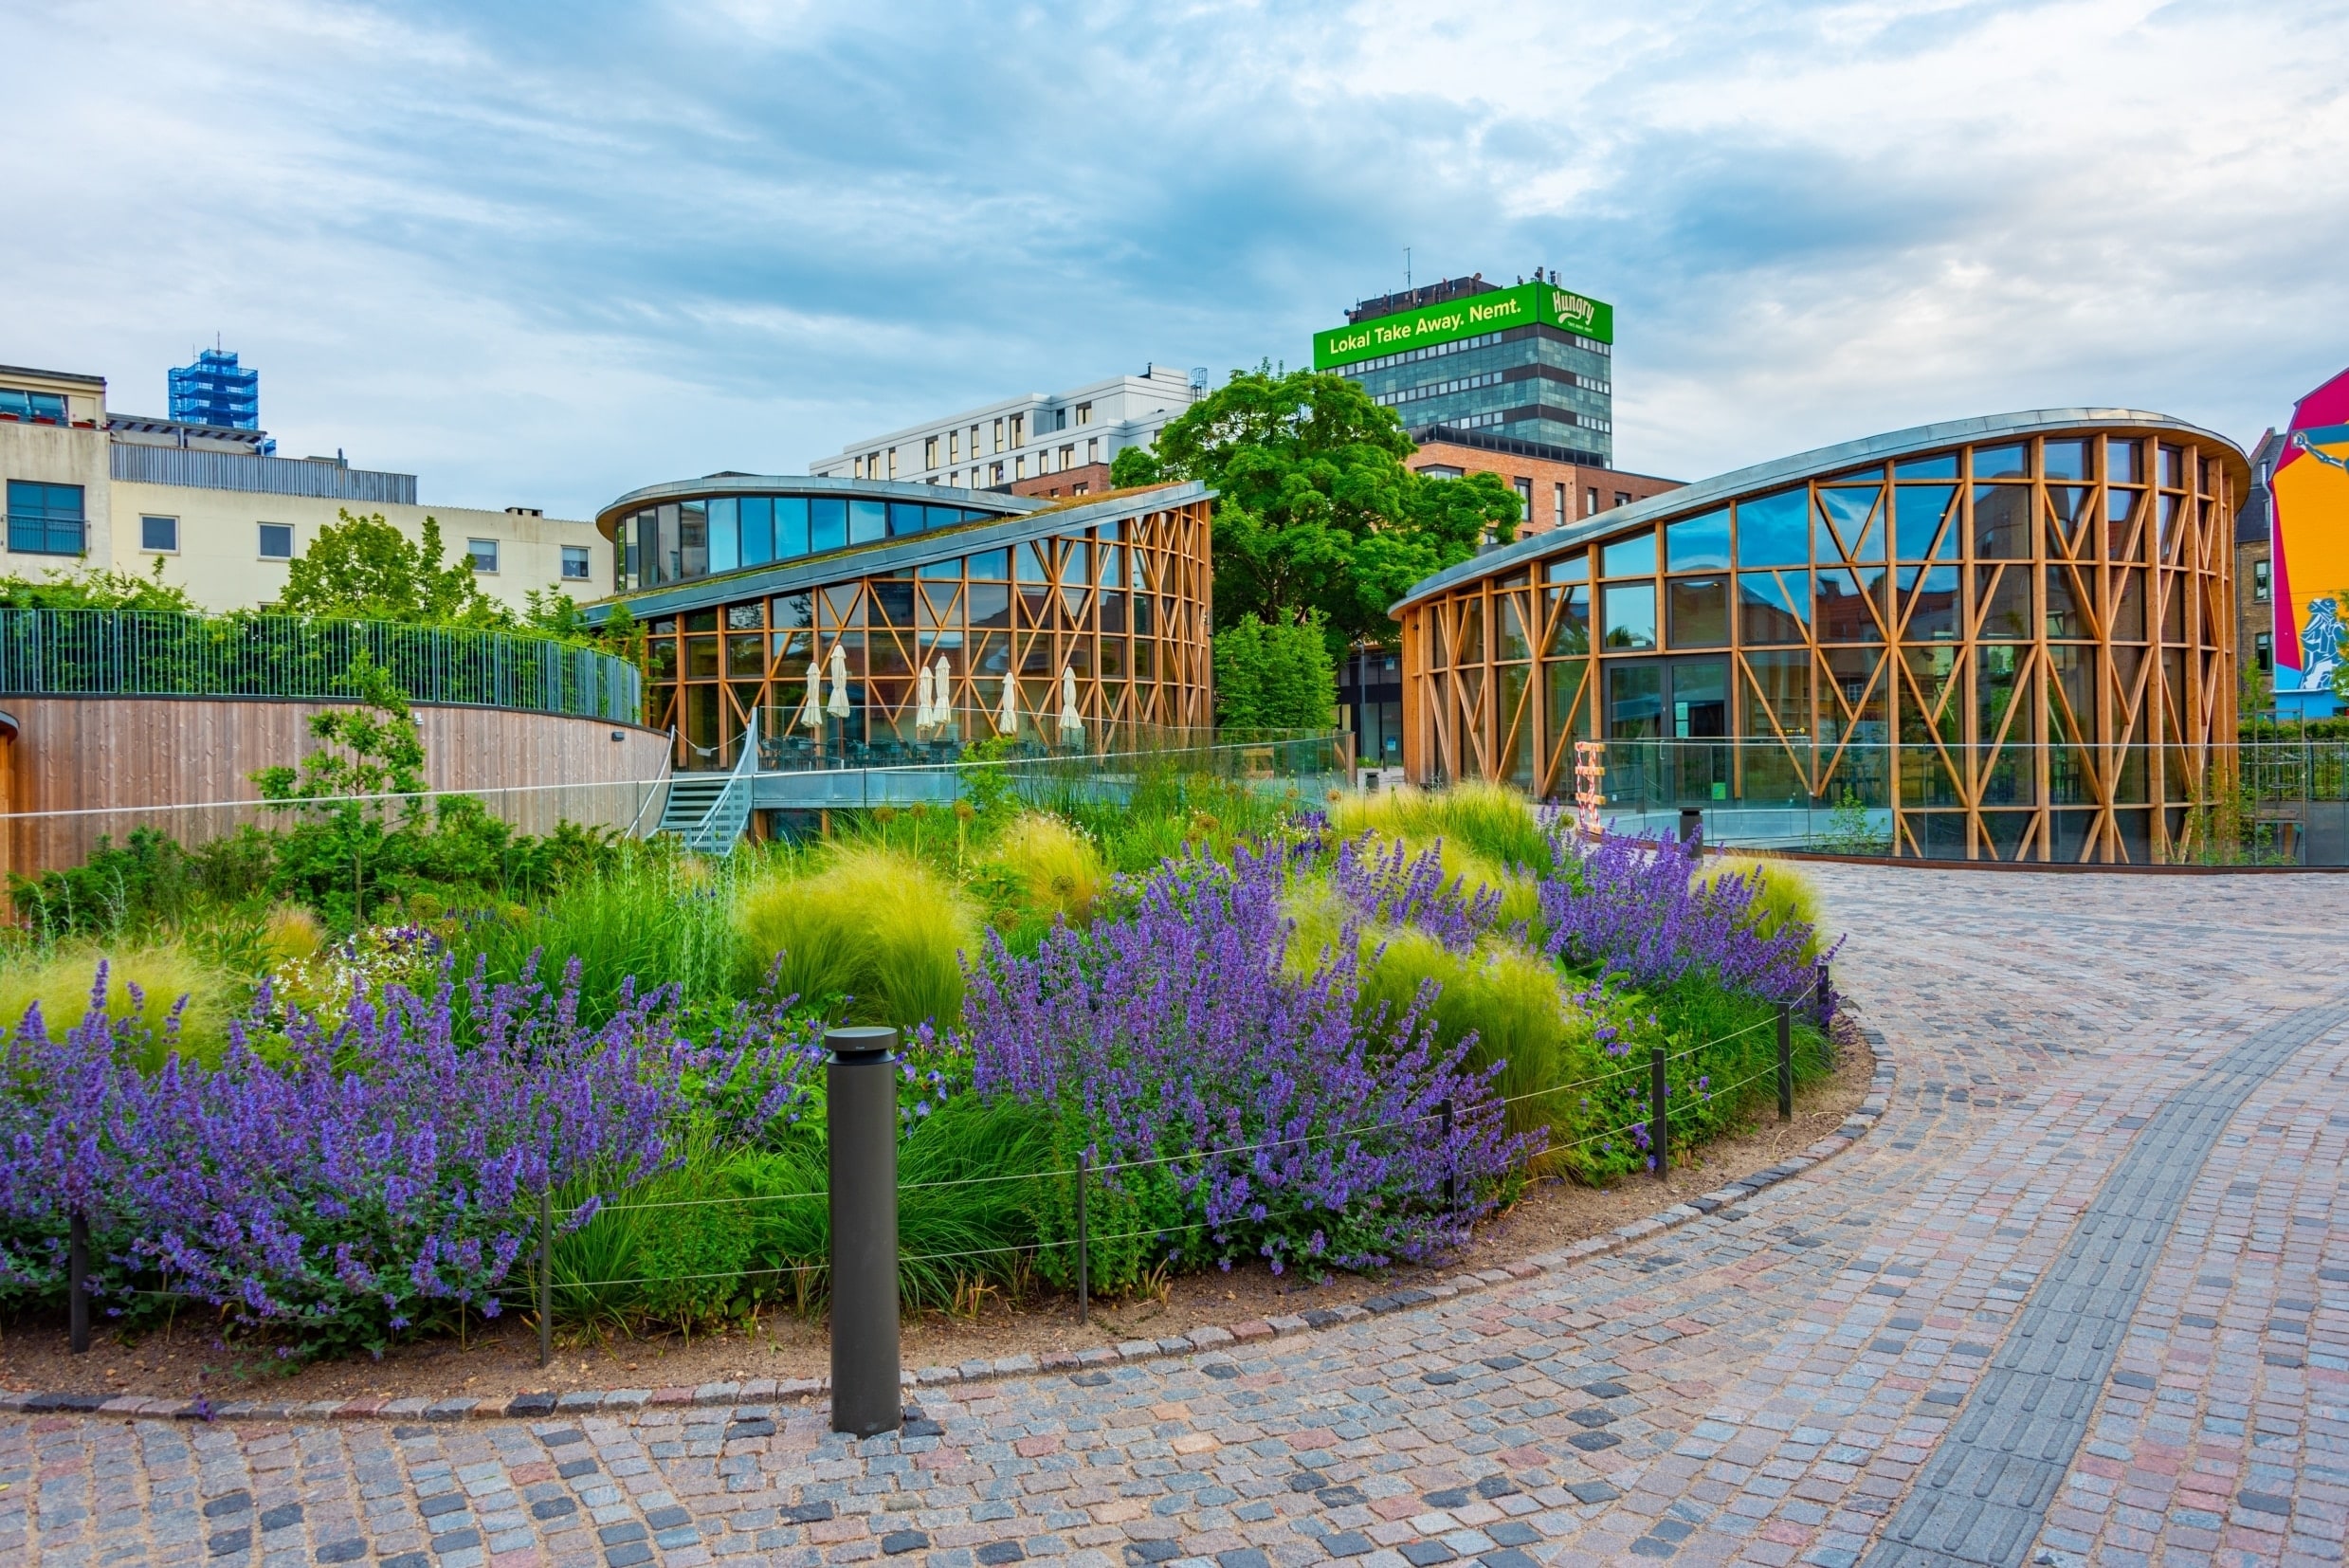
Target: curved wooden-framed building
{"x": 2005, "y": 638}
{"x": 747, "y": 584}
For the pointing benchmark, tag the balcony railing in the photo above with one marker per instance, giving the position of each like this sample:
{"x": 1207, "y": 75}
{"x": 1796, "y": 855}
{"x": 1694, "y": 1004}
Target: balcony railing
{"x": 161, "y": 653}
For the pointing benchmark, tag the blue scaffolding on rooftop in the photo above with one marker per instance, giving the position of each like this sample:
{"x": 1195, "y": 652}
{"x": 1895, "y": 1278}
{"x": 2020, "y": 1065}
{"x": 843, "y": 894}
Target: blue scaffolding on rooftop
{"x": 215, "y": 390}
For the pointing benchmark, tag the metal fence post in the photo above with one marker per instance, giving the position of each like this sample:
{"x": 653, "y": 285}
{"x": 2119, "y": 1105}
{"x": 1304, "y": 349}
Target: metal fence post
{"x": 546, "y": 1276}
{"x": 1659, "y": 1122}
{"x": 1786, "y": 1062}
{"x": 1085, "y": 1240}
{"x": 862, "y": 1091}
{"x": 78, "y": 1284}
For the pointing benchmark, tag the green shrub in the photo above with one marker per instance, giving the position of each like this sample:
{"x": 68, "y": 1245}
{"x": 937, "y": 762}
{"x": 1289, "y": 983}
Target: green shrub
{"x": 878, "y": 927}
{"x": 652, "y": 913}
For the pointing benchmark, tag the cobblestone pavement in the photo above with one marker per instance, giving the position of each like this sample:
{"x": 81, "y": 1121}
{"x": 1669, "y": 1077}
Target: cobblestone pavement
{"x": 2083, "y": 1297}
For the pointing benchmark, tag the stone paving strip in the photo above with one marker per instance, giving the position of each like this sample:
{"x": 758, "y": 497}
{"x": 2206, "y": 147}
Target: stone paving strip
{"x": 1768, "y": 1383}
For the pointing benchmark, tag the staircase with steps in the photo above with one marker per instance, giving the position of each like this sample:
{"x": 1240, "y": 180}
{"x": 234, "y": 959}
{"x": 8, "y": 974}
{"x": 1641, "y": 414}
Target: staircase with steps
{"x": 710, "y": 811}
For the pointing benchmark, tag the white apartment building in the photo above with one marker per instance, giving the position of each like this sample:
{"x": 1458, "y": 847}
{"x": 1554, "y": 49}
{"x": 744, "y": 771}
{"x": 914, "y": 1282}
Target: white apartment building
{"x": 87, "y": 488}
{"x": 1030, "y": 445}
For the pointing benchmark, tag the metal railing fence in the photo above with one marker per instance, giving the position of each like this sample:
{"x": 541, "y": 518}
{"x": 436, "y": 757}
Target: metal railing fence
{"x": 164, "y": 653}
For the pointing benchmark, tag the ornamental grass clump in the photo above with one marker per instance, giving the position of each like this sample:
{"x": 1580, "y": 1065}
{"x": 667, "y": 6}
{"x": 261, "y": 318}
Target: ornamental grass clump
{"x": 1231, "y": 1103}
{"x": 327, "y": 1187}
{"x": 878, "y": 935}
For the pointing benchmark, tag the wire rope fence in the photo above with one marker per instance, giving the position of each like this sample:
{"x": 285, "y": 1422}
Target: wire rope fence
{"x": 1649, "y": 1130}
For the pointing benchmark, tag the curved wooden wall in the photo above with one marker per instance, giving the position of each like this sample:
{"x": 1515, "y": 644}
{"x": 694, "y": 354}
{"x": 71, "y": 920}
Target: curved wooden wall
{"x": 78, "y": 767}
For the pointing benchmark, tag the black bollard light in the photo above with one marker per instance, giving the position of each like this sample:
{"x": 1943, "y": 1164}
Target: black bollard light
{"x": 860, "y": 1086}
{"x": 1691, "y": 825}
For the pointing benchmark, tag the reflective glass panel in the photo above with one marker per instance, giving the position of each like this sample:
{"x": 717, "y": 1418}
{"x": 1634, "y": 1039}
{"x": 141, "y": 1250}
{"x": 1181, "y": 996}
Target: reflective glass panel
{"x": 941, "y": 516}
{"x": 828, "y": 524}
{"x": 2002, "y": 523}
{"x": 1840, "y": 609}
{"x": 693, "y": 539}
{"x": 1573, "y": 568}
{"x": 2128, "y": 617}
{"x": 1028, "y": 561}
{"x": 1782, "y": 691}
{"x": 1929, "y": 600}
{"x": 1775, "y": 530}
{"x": 2002, "y": 599}
{"x": 2123, "y": 461}
{"x": 725, "y": 534}
{"x": 991, "y": 566}
{"x": 1773, "y": 607}
{"x": 2002, "y": 461}
{"x": 868, "y": 521}
{"x": 1852, "y": 515}
{"x": 1698, "y": 610}
{"x": 1918, "y": 512}
{"x": 701, "y": 658}
{"x": 1699, "y": 699}
{"x": 1568, "y": 714}
{"x": 1698, "y": 544}
{"x": 1112, "y": 563}
{"x": 1513, "y": 642}
{"x": 791, "y": 527}
{"x": 1629, "y": 557}
{"x": 1634, "y": 701}
{"x": 1570, "y": 619}
{"x": 758, "y": 530}
{"x": 906, "y": 520}
{"x": 746, "y": 656}
{"x": 942, "y": 569}
{"x": 1631, "y": 615}
{"x": 989, "y": 605}
{"x": 2064, "y": 618}
{"x": 789, "y": 610}
{"x": 892, "y": 601}
{"x": 1939, "y": 466}
{"x": 2066, "y": 460}
{"x": 1471, "y": 630}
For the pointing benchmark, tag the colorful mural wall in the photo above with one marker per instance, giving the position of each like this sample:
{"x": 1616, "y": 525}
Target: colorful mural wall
{"x": 2309, "y": 517}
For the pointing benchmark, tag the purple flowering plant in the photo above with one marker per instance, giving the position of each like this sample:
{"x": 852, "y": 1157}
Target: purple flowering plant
{"x": 333, "y": 1187}
{"x": 1234, "y": 1104}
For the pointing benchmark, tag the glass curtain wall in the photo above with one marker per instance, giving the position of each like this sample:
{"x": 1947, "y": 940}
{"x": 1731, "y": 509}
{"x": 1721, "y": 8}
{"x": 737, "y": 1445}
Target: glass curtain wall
{"x": 1122, "y": 607}
{"x": 2017, "y": 649}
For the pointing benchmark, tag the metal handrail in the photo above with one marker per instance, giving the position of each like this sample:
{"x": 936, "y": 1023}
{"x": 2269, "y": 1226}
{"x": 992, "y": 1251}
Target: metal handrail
{"x": 167, "y": 653}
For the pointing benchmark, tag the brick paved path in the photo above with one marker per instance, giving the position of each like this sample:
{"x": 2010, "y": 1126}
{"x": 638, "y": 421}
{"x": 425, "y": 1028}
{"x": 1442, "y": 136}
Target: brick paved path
{"x": 2082, "y": 1298}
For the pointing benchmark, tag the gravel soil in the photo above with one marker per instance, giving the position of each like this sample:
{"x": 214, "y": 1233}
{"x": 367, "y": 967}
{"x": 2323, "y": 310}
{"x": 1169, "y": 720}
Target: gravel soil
{"x": 501, "y": 1361}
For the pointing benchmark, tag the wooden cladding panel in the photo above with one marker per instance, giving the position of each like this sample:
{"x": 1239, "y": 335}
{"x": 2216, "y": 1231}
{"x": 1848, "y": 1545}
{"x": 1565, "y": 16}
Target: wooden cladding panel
{"x": 185, "y": 766}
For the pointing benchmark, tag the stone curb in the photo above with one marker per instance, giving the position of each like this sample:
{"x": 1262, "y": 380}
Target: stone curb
{"x": 749, "y": 1402}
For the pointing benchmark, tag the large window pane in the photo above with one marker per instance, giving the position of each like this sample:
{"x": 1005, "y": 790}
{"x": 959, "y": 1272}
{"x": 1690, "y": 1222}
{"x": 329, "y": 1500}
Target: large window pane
{"x": 2066, "y": 460}
{"x": 758, "y": 530}
{"x": 1569, "y": 716}
{"x": 1698, "y": 544}
{"x": 1918, "y": 518}
{"x": 828, "y": 524}
{"x": 1848, "y": 519}
{"x": 1629, "y": 557}
{"x": 1929, "y": 600}
{"x": 2002, "y": 523}
{"x": 1701, "y": 699}
{"x": 1773, "y": 607}
{"x": 1775, "y": 530}
{"x": 2002, "y": 461}
{"x": 1635, "y": 701}
{"x": 2002, "y": 598}
{"x": 1631, "y": 615}
{"x": 1513, "y": 644}
{"x": 791, "y": 527}
{"x": 906, "y": 520}
{"x": 725, "y": 534}
{"x": 868, "y": 521}
{"x": 693, "y": 539}
{"x": 1699, "y": 611}
{"x": 1781, "y": 694}
{"x": 1840, "y": 607}
{"x": 1939, "y": 466}
{"x": 1569, "y": 620}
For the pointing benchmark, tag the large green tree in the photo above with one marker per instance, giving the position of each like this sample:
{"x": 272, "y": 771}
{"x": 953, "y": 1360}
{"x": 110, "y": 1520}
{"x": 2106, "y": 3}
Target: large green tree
{"x": 365, "y": 569}
{"x": 1316, "y": 512}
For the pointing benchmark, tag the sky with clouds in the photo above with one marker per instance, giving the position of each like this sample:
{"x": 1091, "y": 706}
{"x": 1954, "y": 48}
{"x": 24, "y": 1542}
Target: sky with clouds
{"x": 540, "y": 254}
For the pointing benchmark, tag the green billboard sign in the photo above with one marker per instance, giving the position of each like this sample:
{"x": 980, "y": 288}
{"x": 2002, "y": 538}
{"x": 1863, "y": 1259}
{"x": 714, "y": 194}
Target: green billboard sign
{"x": 1495, "y": 311}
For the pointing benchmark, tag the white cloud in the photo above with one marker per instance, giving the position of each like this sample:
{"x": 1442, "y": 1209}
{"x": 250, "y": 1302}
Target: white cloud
{"x": 555, "y": 252}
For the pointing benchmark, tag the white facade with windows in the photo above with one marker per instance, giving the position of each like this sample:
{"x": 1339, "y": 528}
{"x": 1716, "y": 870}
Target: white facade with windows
{"x": 1025, "y": 437}
{"x": 215, "y": 515}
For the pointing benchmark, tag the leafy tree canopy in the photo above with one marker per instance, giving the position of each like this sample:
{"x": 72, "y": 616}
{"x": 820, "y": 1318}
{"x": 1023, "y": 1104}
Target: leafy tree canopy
{"x": 1315, "y": 511}
{"x": 365, "y": 569}
{"x": 95, "y": 590}
{"x": 1276, "y": 676}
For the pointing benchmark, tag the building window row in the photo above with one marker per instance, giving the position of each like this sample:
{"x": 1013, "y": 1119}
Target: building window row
{"x": 33, "y": 408}
{"x": 677, "y": 541}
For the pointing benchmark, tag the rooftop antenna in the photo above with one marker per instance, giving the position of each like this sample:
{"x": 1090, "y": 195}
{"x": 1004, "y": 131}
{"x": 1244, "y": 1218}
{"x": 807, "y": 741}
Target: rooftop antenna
{"x": 1406, "y": 269}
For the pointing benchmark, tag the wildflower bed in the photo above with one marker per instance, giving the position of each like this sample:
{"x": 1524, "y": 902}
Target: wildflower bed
{"x": 1337, "y": 1045}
